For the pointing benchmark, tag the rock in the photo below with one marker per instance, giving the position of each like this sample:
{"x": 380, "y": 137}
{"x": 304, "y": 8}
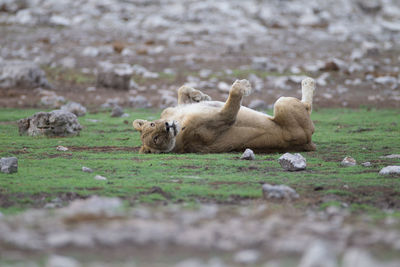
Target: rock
{"x": 319, "y": 254}
{"x": 91, "y": 208}
{"x": 75, "y": 108}
{"x": 279, "y": 192}
{"x": 111, "y": 102}
{"x": 248, "y": 256}
{"x": 68, "y": 62}
{"x": 116, "y": 76}
{"x": 263, "y": 63}
{"x": 223, "y": 87}
{"x": 87, "y": 169}
{"x": 61, "y": 261}
{"x": 9, "y": 165}
{"x": 139, "y": 102}
{"x": 292, "y": 162}
{"x": 62, "y": 148}
{"x": 55, "y": 123}
{"x": 258, "y": 104}
{"x": 17, "y": 73}
{"x": 117, "y": 111}
{"x": 370, "y": 6}
{"x": 51, "y": 99}
{"x": 101, "y": 178}
{"x": 248, "y": 155}
{"x": 168, "y": 101}
{"x": 348, "y": 161}
{"x": 258, "y": 83}
{"x": 392, "y": 156}
{"x": 358, "y": 258}
{"x": 366, "y": 164}
{"x": 12, "y": 6}
{"x": 390, "y": 170}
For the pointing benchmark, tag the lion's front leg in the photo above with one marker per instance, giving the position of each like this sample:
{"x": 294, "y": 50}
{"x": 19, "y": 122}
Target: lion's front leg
{"x": 187, "y": 95}
{"x": 239, "y": 89}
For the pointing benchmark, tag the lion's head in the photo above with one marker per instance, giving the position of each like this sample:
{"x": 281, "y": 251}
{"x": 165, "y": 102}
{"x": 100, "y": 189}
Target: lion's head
{"x": 157, "y": 136}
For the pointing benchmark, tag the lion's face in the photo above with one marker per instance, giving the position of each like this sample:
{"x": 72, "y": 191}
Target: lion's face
{"x": 157, "y": 136}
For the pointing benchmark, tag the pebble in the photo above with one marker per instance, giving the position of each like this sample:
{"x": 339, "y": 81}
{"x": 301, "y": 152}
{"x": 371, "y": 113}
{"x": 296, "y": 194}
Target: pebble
{"x": 75, "y": 108}
{"x": 348, "y": 161}
{"x": 87, "y": 169}
{"x": 319, "y": 254}
{"x": 292, "y": 162}
{"x": 392, "y": 156}
{"x": 101, "y": 178}
{"x": 248, "y": 155}
{"x": 279, "y": 192}
{"x": 62, "y": 148}
{"x": 61, "y": 261}
{"x": 249, "y": 256}
{"x": 366, "y": 164}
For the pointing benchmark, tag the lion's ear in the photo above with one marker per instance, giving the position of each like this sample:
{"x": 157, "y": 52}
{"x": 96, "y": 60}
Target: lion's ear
{"x": 138, "y": 124}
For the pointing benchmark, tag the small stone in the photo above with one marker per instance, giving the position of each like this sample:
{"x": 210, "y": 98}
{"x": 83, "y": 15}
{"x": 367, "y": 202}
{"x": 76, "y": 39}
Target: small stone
{"x": 101, "y": 178}
{"x": 348, "y": 161}
{"x": 62, "y": 148}
{"x": 139, "y": 102}
{"x": 319, "y": 254}
{"x": 258, "y": 104}
{"x": 87, "y": 169}
{"x": 61, "y": 261}
{"x": 292, "y": 162}
{"x": 117, "y": 111}
{"x": 248, "y": 155}
{"x": 390, "y": 170}
{"x": 355, "y": 257}
{"x": 366, "y": 164}
{"x": 248, "y": 256}
{"x": 223, "y": 87}
{"x": 279, "y": 192}
{"x": 117, "y": 76}
{"x": 9, "y": 165}
{"x": 75, "y": 108}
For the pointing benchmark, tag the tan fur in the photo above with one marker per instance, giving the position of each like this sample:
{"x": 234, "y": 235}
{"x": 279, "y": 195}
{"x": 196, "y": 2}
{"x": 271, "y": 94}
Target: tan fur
{"x": 199, "y": 125}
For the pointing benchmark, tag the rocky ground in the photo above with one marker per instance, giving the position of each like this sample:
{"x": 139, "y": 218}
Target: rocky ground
{"x": 137, "y": 53}
{"x": 142, "y": 51}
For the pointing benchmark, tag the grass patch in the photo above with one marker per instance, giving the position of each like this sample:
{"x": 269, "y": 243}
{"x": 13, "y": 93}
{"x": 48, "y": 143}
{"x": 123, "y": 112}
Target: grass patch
{"x": 110, "y": 148}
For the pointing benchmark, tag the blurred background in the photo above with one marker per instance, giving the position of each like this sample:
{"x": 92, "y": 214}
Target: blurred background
{"x": 136, "y": 53}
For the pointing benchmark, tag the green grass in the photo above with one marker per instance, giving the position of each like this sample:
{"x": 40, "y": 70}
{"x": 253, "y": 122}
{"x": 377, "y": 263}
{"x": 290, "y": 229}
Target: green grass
{"x": 108, "y": 147}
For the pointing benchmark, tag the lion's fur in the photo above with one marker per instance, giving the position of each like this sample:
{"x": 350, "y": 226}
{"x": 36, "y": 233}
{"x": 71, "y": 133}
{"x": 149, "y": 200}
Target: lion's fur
{"x": 215, "y": 127}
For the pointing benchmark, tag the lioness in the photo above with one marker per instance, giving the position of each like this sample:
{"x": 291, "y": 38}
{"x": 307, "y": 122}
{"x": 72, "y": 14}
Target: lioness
{"x": 198, "y": 124}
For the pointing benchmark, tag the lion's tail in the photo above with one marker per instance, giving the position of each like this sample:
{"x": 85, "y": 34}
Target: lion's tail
{"x": 307, "y": 90}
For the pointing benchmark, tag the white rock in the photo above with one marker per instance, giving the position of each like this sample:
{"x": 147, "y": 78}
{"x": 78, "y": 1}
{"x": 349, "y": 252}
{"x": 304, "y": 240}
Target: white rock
{"x": 390, "y": 170}
{"x": 62, "y": 148}
{"x": 139, "y": 102}
{"x": 279, "y": 192}
{"x": 248, "y": 256}
{"x": 248, "y": 155}
{"x": 223, "y": 87}
{"x": 358, "y": 258}
{"x": 87, "y": 169}
{"x": 68, "y": 62}
{"x": 101, "y": 178}
{"x": 392, "y": 156}
{"x": 319, "y": 254}
{"x": 348, "y": 161}
{"x": 61, "y": 261}
{"x": 75, "y": 108}
{"x": 366, "y": 164}
{"x": 292, "y": 162}
{"x": 258, "y": 104}
{"x": 9, "y": 165}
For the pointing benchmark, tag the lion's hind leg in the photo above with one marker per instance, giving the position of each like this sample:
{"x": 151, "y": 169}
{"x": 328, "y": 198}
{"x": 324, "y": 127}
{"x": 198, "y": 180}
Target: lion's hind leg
{"x": 188, "y": 95}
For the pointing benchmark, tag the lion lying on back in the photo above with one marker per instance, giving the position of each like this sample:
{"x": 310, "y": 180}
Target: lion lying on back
{"x": 198, "y": 124}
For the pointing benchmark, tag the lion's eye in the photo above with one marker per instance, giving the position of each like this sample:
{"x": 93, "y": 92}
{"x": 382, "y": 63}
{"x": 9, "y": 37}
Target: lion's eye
{"x": 155, "y": 139}
{"x": 152, "y": 124}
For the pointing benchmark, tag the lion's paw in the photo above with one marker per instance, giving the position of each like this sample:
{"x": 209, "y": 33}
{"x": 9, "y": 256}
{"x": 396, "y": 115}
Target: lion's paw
{"x": 198, "y": 96}
{"x": 242, "y": 87}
